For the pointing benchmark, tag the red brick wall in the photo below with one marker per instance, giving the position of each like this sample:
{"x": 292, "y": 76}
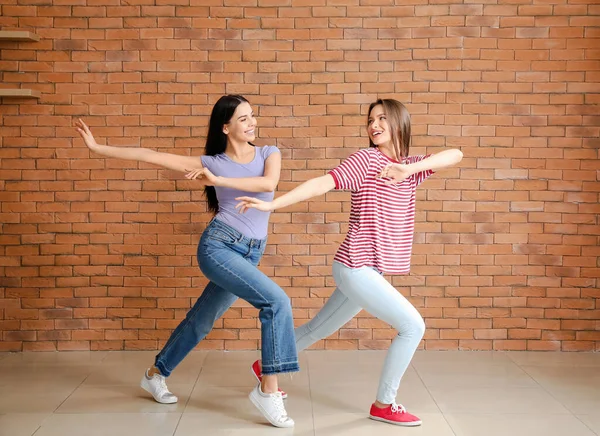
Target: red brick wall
{"x": 100, "y": 254}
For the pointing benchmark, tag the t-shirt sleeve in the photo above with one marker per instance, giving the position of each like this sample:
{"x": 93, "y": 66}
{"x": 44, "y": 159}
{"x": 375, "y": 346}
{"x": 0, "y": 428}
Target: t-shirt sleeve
{"x": 268, "y": 150}
{"x": 206, "y": 162}
{"x": 351, "y": 173}
{"x": 421, "y": 176}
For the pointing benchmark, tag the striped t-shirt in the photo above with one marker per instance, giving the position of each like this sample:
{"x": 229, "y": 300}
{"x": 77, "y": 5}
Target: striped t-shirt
{"x": 382, "y": 217}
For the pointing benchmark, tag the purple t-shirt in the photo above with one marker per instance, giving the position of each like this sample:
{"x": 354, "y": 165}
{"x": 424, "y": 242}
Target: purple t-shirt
{"x": 253, "y": 223}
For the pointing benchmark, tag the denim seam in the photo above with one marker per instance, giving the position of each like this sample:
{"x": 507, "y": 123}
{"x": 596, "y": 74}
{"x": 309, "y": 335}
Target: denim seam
{"x": 286, "y": 361}
{"x": 294, "y": 368}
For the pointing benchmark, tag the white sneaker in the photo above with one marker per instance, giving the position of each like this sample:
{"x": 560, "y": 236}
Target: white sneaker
{"x": 271, "y": 406}
{"x": 157, "y": 387}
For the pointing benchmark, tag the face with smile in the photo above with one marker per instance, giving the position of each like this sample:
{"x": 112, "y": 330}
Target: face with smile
{"x": 378, "y": 127}
{"x": 241, "y": 127}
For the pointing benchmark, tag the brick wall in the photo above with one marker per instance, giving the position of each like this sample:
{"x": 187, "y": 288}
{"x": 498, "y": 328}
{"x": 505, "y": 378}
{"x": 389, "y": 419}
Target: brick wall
{"x": 100, "y": 253}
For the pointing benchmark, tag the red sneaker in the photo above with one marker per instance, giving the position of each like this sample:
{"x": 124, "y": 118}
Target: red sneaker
{"x": 394, "y": 414}
{"x": 257, "y": 371}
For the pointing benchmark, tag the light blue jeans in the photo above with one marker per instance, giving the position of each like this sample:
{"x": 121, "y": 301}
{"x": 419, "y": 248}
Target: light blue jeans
{"x": 228, "y": 259}
{"x": 365, "y": 288}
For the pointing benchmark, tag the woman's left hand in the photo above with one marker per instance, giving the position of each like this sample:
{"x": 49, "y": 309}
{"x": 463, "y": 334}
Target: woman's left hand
{"x": 205, "y": 176}
{"x": 246, "y": 203}
{"x": 396, "y": 172}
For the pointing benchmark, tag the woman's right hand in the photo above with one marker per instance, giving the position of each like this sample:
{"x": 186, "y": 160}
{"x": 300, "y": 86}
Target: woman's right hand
{"x": 86, "y": 135}
{"x": 246, "y": 203}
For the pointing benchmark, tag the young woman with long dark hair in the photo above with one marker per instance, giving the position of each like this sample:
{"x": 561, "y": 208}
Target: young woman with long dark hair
{"x": 229, "y": 249}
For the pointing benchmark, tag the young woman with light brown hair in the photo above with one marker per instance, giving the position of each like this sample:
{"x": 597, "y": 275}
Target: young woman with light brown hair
{"x": 383, "y": 180}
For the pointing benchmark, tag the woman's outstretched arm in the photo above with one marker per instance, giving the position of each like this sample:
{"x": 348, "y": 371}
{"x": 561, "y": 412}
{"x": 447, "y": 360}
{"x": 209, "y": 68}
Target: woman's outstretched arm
{"x": 166, "y": 160}
{"x": 309, "y": 189}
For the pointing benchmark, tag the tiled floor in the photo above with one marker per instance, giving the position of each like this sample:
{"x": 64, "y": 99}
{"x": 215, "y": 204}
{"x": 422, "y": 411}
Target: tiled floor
{"x": 455, "y": 393}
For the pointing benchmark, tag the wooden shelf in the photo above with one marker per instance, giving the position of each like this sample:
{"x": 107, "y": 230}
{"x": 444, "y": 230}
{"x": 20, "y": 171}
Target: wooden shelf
{"x": 19, "y": 93}
{"x": 18, "y": 35}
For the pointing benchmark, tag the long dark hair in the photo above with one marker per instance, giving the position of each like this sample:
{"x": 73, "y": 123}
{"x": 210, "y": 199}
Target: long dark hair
{"x": 216, "y": 140}
{"x": 398, "y": 119}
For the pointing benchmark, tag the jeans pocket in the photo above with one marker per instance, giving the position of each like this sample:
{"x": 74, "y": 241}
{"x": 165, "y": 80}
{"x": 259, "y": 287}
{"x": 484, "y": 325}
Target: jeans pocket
{"x": 257, "y": 255}
{"x": 220, "y": 235}
{"x": 262, "y": 249}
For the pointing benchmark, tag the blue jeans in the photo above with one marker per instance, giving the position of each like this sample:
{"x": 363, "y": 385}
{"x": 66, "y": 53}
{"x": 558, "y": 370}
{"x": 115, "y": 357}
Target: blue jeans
{"x": 365, "y": 288}
{"x": 229, "y": 259}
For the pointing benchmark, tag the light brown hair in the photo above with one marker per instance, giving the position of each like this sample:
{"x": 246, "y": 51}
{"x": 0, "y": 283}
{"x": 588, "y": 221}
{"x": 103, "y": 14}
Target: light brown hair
{"x": 398, "y": 119}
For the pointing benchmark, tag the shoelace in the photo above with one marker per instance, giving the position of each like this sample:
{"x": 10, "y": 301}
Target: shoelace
{"x": 398, "y": 408}
{"x": 162, "y": 386}
{"x": 278, "y": 402}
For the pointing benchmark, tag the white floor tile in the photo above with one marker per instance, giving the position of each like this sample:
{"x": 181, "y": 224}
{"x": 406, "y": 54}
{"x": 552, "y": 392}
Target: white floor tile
{"x": 517, "y": 425}
{"x": 495, "y": 400}
{"x": 21, "y": 424}
{"x": 113, "y": 424}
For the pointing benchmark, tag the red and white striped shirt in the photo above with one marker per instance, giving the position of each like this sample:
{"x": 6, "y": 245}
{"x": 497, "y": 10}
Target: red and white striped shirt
{"x": 382, "y": 217}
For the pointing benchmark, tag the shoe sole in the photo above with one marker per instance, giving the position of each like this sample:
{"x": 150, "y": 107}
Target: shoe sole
{"x": 264, "y": 413}
{"x": 284, "y": 396}
{"x": 144, "y": 386}
{"x": 403, "y": 424}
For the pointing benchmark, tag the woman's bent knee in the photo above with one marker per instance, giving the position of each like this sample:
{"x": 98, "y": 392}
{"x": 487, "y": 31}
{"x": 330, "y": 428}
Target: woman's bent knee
{"x": 414, "y": 326}
{"x": 281, "y": 303}
{"x": 419, "y": 326}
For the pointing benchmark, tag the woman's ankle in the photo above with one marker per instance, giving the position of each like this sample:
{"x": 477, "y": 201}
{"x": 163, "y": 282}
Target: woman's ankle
{"x": 269, "y": 384}
{"x": 380, "y": 405}
{"x": 153, "y": 370}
